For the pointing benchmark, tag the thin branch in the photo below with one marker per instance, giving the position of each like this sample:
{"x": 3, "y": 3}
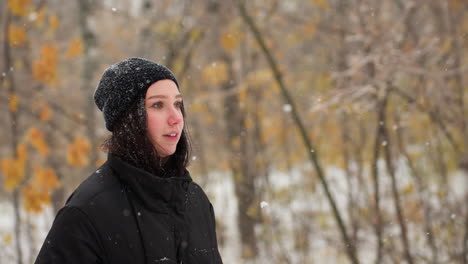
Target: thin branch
{"x": 378, "y": 225}
{"x": 432, "y": 114}
{"x": 51, "y": 124}
{"x": 395, "y": 193}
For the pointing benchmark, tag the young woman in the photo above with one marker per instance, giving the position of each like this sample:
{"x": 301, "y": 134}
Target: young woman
{"x": 141, "y": 206}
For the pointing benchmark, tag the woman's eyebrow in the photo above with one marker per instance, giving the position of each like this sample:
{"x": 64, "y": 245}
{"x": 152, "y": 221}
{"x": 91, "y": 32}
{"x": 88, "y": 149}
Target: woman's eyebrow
{"x": 163, "y": 96}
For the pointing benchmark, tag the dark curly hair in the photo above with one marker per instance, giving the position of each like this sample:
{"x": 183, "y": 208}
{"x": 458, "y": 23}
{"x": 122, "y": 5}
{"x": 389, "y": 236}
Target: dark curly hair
{"x": 130, "y": 141}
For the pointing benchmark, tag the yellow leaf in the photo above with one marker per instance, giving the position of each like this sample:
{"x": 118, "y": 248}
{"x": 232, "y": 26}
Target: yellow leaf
{"x": 18, "y": 7}
{"x": 7, "y": 239}
{"x": 195, "y": 34}
{"x": 446, "y": 45}
{"x": 19, "y": 65}
{"x": 215, "y": 73}
{"x": 53, "y": 22}
{"x": 408, "y": 189}
{"x": 321, "y": 3}
{"x": 16, "y": 35}
{"x": 249, "y": 123}
{"x": 235, "y": 142}
{"x": 252, "y": 211}
{"x": 243, "y": 95}
{"x": 45, "y": 179}
{"x": 230, "y": 40}
{"x": 178, "y": 67}
{"x": 210, "y": 119}
{"x": 45, "y": 68}
{"x": 13, "y": 102}
{"x": 46, "y": 113}
{"x": 36, "y": 138}
{"x": 40, "y": 17}
{"x": 323, "y": 82}
{"x": 260, "y": 77}
{"x": 21, "y": 152}
{"x": 310, "y": 29}
{"x": 13, "y": 172}
{"x": 6, "y": 83}
{"x": 198, "y": 108}
{"x": 77, "y": 154}
{"x": 75, "y": 49}
{"x": 34, "y": 199}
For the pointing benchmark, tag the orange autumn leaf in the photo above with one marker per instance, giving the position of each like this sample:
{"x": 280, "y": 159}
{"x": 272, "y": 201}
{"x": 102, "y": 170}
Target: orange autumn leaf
{"x": 46, "y": 113}
{"x": 45, "y": 179}
{"x": 455, "y": 4}
{"x": 36, "y": 138}
{"x": 13, "y": 102}
{"x": 6, "y": 83}
{"x": 21, "y": 152}
{"x": 45, "y": 68}
{"x": 13, "y": 172}
{"x": 321, "y": 3}
{"x": 310, "y": 29}
{"x": 16, "y": 35}
{"x": 215, "y": 73}
{"x": 77, "y": 154}
{"x": 75, "y": 49}
{"x": 53, "y": 22}
{"x": 99, "y": 162}
{"x": 230, "y": 40}
{"x": 243, "y": 95}
{"x": 18, "y": 7}
{"x": 7, "y": 239}
{"x": 34, "y": 199}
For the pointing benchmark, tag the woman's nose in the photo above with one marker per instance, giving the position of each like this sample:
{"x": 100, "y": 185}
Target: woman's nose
{"x": 175, "y": 116}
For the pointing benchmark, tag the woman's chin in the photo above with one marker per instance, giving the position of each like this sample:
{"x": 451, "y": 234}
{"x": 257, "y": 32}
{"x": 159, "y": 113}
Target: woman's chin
{"x": 166, "y": 153}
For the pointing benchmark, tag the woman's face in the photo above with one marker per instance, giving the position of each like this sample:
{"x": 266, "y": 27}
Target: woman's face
{"x": 165, "y": 122}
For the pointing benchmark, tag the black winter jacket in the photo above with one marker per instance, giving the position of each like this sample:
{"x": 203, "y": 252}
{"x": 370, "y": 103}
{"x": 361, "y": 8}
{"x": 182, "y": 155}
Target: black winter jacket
{"x": 122, "y": 214}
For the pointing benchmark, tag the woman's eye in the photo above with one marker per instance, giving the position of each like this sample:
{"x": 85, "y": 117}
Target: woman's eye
{"x": 157, "y": 105}
{"x": 178, "y": 104}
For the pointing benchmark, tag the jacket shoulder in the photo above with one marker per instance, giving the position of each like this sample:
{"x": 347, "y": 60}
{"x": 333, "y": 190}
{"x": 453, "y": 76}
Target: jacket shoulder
{"x": 100, "y": 184}
{"x": 197, "y": 190}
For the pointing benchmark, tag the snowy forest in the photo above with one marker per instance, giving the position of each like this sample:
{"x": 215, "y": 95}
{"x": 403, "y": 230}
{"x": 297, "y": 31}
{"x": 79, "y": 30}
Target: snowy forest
{"x": 323, "y": 131}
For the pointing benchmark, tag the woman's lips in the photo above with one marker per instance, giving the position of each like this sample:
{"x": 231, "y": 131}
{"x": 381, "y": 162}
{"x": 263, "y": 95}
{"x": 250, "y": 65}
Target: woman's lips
{"x": 172, "y": 136}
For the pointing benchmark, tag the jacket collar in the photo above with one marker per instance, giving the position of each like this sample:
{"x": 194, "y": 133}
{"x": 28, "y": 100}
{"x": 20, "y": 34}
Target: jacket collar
{"x": 155, "y": 193}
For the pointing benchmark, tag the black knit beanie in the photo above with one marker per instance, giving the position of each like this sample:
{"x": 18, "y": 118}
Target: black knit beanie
{"x": 122, "y": 83}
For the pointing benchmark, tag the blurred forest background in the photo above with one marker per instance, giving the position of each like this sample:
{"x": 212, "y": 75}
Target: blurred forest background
{"x": 324, "y": 131}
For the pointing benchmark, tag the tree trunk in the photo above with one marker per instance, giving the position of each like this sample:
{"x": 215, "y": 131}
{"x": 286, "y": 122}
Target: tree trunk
{"x": 14, "y": 136}
{"x": 244, "y": 187}
{"x": 89, "y": 67}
